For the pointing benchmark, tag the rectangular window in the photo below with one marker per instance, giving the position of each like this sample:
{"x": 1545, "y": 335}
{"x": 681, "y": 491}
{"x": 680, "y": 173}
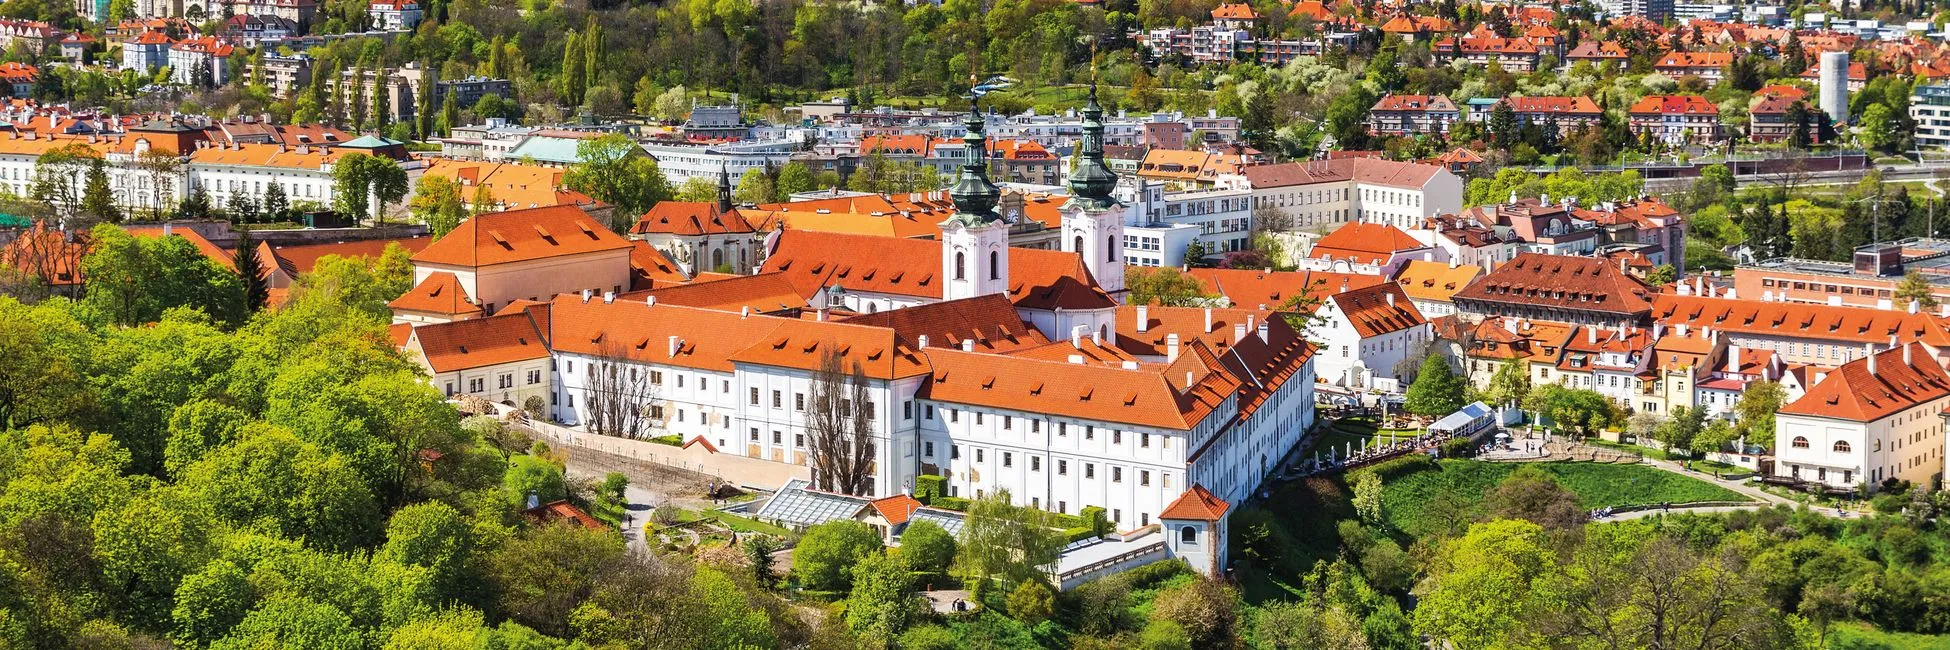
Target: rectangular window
{"x": 799, "y": 440}
{"x": 778, "y": 437}
{"x": 907, "y": 410}
{"x": 1116, "y": 437}
{"x": 754, "y": 434}
{"x": 754, "y": 397}
{"x": 954, "y": 451}
{"x": 798, "y": 401}
{"x": 1035, "y": 426}
{"x": 1144, "y": 477}
{"x": 927, "y": 449}
{"x": 1008, "y": 459}
{"x": 656, "y": 377}
{"x": 1089, "y": 432}
{"x": 1062, "y": 467}
{"x": 1116, "y": 474}
{"x": 1144, "y": 440}
{"x": 534, "y": 377}
{"x": 930, "y": 411}
{"x": 1035, "y": 463}
{"x": 978, "y": 418}
{"x": 777, "y": 399}
{"x": 979, "y": 455}
{"x": 954, "y": 416}
{"x": 1090, "y": 470}
{"x": 1008, "y": 423}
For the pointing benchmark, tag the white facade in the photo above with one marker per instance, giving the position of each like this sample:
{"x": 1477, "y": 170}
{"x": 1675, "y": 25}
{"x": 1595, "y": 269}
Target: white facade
{"x": 1322, "y": 205}
{"x": 1349, "y": 358}
{"x": 974, "y": 259}
{"x": 495, "y": 286}
{"x": 1908, "y": 445}
{"x": 1223, "y": 218}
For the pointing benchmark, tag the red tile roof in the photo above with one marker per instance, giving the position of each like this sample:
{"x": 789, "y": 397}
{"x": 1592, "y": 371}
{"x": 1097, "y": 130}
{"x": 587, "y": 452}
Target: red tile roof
{"x": 1853, "y": 325}
{"x": 690, "y": 218}
{"x": 765, "y": 293}
{"x": 520, "y": 236}
{"x": 1366, "y": 170}
{"x": 1196, "y": 504}
{"x": 895, "y": 509}
{"x": 1154, "y": 395}
{"x": 1674, "y": 105}
{"x": 480, "y": 342}
{"x": 1582, "y": 283}
{"x": 1693, "y": 60}
{"x": 1366, "y": 243}
{"x": 294, "y": 260}
{"x": 1251, "y": 288}
{"x": 439, "y": 293}
{"x": 1372, "y": 312}
{"x": 1853, "y": 392}
{"x": 1038, "y": 279}
{"x": 1415, "y": 103}
{"x": 1563, "y": 105}
{"x": 990, "y": 323}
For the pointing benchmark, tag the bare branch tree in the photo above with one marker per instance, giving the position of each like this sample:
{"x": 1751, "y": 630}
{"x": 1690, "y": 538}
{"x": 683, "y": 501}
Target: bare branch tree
{"x": 619, "y": 393}
{"x": 840, "y": 435}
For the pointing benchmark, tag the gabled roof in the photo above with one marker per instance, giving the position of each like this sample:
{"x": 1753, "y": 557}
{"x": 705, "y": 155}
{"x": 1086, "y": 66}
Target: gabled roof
{"x": 440, "y": 293}
{"x": 1694, "y": 60}
{"x": 895, "y": 509}
{"x": 689, "y": 219}
{"x": 1363, "y": 242}
{"x": 1854, "y": 325}
{"x": 1038, "y": 279}
{"x": 480, "y": 342}
{"x": 1196, "y": 504}
{"x": 633, "y": 329}
{"x": 1429, "y": 103}
{"x": 765, "y": 293}
{"x": 1853, "y": 392}
{"x": 989, "y": 323}
{"x": 1154, "y": 395}
{"x": 1377, "y": 310}
{"x": 1674, "y": 105}
{"x": 1435, "y": 281}
{"x": 520, "y": 236}
{"x": 649, "y": 269}
{"x": 1251, "y": 288}
{"x": 1582, "y": 283}
{"x": 1239, "y": 11}
{"x": 1561, "y": 105}
{"x": 294, "y": 260}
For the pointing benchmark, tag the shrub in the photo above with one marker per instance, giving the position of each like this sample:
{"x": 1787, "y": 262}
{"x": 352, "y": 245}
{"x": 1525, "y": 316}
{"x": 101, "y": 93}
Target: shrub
{"x": 1033, "y": 602}
{"x": 956, "y": 504}
{"x": 673, "y": 440}
{"x": 929, "y": 637}
{"x": 928, "y": 487}
{"x": 1392, "y": 469}
{"x": 1155, "y": 573}
{"x": 1079, "y": 534}
{"x": 1093, "y": 516}
{"x": 1458, "y": 448}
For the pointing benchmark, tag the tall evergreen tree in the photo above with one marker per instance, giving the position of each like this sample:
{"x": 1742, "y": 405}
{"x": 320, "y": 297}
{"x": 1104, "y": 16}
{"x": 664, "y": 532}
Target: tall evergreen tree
{"x": 249, "y": 269}
{"x": 97, "y": 199}
{"x": 382, "y": 101}
{"x": 592, "y": 49}
{"x": 276, "y": 205}
{"x": 569, "y": 85}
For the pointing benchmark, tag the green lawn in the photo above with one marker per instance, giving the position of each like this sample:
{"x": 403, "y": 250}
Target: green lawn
{"x": 746, "y": 525}
{"x": 1412, "y": 505}
{"x": 1353, "y": 432}
{"x": 1858, "y": 635}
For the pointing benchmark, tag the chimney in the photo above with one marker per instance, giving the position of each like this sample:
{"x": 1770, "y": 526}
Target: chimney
{"x": 1680, "y": 329}
{"x": 1391, "y": 297}
{"x": 1912, "y": 306}
{"x": 1658, "y": 331}
{"x": 1097, "y": 338}
{"x": 745, "y": 311}
{"x": 676, "y": 343}
{"x": 609, "y": 297}
{"x": 168, "y": 229}
{"x": 1171, "y": 347}
{"x": 1590, "y": 334}
{"x": 1263, "y": 332}
{"x": 1706, "y": 332}
{"x": 1836, "y": 301}
{"x": 585, "y": 296}
{"x": 1143, "y": 318}
{"x": 1130, "y": 365}
{"x": 1208, "y": 321}
{"x": 1076, "y": 359}
{"x": 968, "y": 345}
{"x": 1188, "y": 379}
{"x": 820, "y": 315}
{"x": 921, "y": 342}
{"x": 1884, "y": 304}
{"x": 1871, "y": 353}
{"x": 650, "y": 300}
{"x": 1076, "y": 335}
{"x": 1729, "y": 294}
{"x": 1238, "y": 332}
{"x": 1906, "y": 357}
{"x": 1733, "y": 358}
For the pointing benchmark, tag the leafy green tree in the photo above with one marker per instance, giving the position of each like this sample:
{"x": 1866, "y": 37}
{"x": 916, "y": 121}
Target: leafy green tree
{"x": 543, "y": 573}
{"x": 38, "y": 382}
{"x": 535, "y": 475}
{"x": 698, "y": 189}
{"x": 196, "y": 428}
{"x": 1503, "y": 126}
{"x": 132, "y": 280}
{"x": 827, "y": 556}
{"x": 1877, "y": 129}
{"x": 1005, "y": 543}
{"x": 294, "y": 622}
{"x": 1480, "y": 584}
{"x": 210, "y": 602}
{"x": 147, "y": 544}
{"x": 1533, "y": 495}
{"x": 795, "y": 177}
{"x": 1206, "y": 608}
{"x": 1679, "y": 430}
{"x": 882, "y": 604}
{"x": 1367, "y": 497}
{"x": 756, "y": 187}
{"x": 271, "y": 478}
{"x": 1510, "y": 384}
{"x": 758, "y": 553}
{"x": 60, "y": 178}
{"x": 363, "y": 285}
{"x": 360, "y": 179}
{"x": 1756, "y": 408}
{"x": 1166, "y": 286}
{"x": 613, "y": 169}
{"x": 1436, "y": 391}
{"x": 927, "y": 548}
{"x": 439, "y": 538}
{"x": 1032, "y": 602}
{"x": 437, "y": 203}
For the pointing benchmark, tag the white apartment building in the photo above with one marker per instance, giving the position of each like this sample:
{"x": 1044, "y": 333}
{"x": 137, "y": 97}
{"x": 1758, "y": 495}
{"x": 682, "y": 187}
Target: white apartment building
{"x": 223, "y": 171}
{"x": 1872, "y": 419}
{"x": 682, "y": 161}
{"x": 1221, "y": 220}
{"x": 1320, "y": 194}
{"x": 1929, "y": 106}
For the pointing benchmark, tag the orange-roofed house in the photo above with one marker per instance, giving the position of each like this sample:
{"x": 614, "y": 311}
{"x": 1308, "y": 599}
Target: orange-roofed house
{"x": 1710, "y": 66}
{"x": 1235, "y": 15}
{"x": 283, "y": 263}
{"x": 1432, "y": 285}
{"x": 502, "y": 358}
{"x": 146, "y": 51}
{"x": 1566, "y": 113}
{"x": 1873, "y": 419}
{"x": 497, "y": 258}
{"x": 1263, "y": 290}
{"x": 20, "y": 78}
{"x": 1368, "y": 248}
{"x": 224, "y": 170}
{"x": 701, "y": 235}
{"x": 511, "y": 186}
{"x": 1195, "y": 527}
{"x": 1366, "y": 336}
{"x": 1565, "y": 288}
{"x": 1417, "y": 28}
{"x": 1676, "y": 119}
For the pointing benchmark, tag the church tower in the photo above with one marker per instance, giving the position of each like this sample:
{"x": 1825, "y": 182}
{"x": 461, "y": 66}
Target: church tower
{"x": 975, "y": 241}
{"x": 1093, "y": 222}
{"x": 724, "y": 189}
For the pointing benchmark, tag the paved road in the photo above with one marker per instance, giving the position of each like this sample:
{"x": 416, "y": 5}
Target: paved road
{"x": 1848, "y": 177}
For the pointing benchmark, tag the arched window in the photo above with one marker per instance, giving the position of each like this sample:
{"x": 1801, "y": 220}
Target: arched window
{"x": 717, "y": 259}
{"x": 1079, "y": 243}
{"x": 1188, "y": 535}
{"x": 1841, "y": 446}
{"x": 961, "y": 266}
{"x": 1110, "y": 249}
{"x": 995, "y": 266}
{"x": 1799, "y": 442}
